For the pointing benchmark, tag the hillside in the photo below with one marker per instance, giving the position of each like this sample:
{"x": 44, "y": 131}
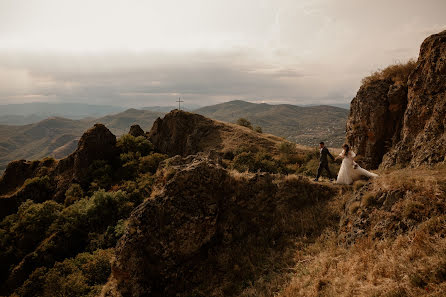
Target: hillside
{"x": 184, "y": 133}
{"x": 57, "y": 137}
{"x": 199, "y": 207}
{"x": 304, "y": 125}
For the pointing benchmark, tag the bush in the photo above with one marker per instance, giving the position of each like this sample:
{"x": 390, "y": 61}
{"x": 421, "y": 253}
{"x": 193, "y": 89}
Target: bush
{"x": 287, "y": 148}
{"x": 253, "y": 162}
{"x": 73, "y": 194}
{"x": 83, "y": 275}
{"x": 151, "y": 162}
{"x": 94, "y": 214}
{"x": 245, "y": 123}
{"x": 244, "y": 162}
{"x": 100, "y": 175}
{"x": 258, "y": 129}
{"x": 20, "y": 233}
{"x": 37, "y": 189}
{"x": 129, "y": 143}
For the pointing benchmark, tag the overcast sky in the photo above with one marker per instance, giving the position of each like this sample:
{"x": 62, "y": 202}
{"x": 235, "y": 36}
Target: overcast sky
{"x": 142, "y": 53}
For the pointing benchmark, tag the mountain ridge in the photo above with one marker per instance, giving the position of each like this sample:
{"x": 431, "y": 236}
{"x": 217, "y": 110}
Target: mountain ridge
{"x": 35, "y": 141}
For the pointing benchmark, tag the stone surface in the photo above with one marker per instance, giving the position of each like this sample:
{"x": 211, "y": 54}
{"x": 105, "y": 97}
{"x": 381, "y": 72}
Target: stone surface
{"x": 184, "y": 133}
{"x": 184, "y": 237}
{"x": 423, "y": 136}
{"x": 375, "y": 119}
{"x": 403, "y": 123}
{"x": 136, "y": 130}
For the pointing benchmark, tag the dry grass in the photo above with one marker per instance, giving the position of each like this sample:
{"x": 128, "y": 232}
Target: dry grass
{"x": 410, "y": 264}
{"x": 398, "y": 73}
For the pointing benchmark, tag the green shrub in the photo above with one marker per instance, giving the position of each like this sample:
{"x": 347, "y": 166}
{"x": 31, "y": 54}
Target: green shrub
{"x": 151, "y": 162}
{"x": 100, "y": 175}
{"x": 20, "y": 233}
{"x": 129, "y": 143}
{"x": 83, "y": 275}
{"x": 73, "y": 194}
{"x": 258, "y": 129}
{"x": 245, "y": 123}
{"x": 37, "y": 189}
{"x": 94, "y": 214}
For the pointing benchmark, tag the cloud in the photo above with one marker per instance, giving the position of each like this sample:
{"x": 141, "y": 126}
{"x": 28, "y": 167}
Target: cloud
{"x": 150, "y": 52}
{"x": 124, "y": 79}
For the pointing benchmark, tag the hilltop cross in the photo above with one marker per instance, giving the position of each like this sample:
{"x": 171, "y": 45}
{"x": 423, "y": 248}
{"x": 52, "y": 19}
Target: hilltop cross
{"x": 179, "y": 103}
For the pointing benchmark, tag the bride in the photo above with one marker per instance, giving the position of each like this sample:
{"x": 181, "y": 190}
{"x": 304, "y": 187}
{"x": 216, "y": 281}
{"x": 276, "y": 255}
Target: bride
{"x": 350, "y": 170}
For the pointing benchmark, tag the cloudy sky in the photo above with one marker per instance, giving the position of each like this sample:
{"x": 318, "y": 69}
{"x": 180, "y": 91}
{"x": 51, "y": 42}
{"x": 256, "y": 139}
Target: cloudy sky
{"x": 147, "y": 52}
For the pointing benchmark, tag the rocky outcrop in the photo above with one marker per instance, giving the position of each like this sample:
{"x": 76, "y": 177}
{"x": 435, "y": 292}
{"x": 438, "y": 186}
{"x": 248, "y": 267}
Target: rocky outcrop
{"x": 184, "y": 133}
{"x": 97, "y": 143}
{"x": 375, "y": 119}
{"x": 202, "y": 221}
{"x": 403, "y": 122}
{"x": 136, "y": 130}
{"x": 423, "y": 135}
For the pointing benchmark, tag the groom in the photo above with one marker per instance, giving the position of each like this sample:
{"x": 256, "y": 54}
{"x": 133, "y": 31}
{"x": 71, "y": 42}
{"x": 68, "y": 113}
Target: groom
{"x": 323, "y": 161}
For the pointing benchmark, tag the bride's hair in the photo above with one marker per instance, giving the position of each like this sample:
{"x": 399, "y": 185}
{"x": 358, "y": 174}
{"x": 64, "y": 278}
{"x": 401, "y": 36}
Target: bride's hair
{"x": 346, "y": 149}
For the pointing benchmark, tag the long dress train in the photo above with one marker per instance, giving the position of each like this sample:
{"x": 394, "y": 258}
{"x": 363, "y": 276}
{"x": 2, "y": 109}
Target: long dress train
{"x": 348, "y": 173}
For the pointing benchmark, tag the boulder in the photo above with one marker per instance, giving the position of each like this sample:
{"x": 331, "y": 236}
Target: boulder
{"x": 136, "y": 130}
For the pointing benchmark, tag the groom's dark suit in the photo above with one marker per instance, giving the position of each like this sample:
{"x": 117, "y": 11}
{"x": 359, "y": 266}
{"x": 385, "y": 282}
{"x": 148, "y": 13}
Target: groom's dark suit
{"x": 323, "y": 162}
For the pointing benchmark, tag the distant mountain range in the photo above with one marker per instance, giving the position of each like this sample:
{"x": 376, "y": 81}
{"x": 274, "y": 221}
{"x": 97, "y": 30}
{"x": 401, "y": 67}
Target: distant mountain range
{"x": 58, "y": 136}
{"x": 28, "y": 113}
{"x": 304, "y": 125}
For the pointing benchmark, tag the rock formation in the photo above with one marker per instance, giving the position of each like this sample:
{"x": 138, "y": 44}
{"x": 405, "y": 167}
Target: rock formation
{"x": 136, "y": 130}
{"x": 183, "y": 240}
{"x": 97, "y": 143}
{"x": 403, "y": 122}
{"x": 423, "y": 136}
{"x": 375, "y": 119}
{"x": 184, "y": 133}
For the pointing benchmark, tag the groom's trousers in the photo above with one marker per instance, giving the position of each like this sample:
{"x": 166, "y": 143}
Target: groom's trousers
{"x": 323, "y": 165}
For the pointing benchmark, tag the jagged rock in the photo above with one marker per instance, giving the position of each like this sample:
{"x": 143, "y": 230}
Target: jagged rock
{"x": 184, "y": 133}
{"x": 403, "y": 123}
{"x": 136, "y": 130}
{"x": 11, "y": 191}
{"x": 375, "y": 120}
{"x": 423, "y": 135}
{"x": 186, "y": 234}
{"x": 97, "y": 143}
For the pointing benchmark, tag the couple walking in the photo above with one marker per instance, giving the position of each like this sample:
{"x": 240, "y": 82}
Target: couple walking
{"x": 349, "y": 171}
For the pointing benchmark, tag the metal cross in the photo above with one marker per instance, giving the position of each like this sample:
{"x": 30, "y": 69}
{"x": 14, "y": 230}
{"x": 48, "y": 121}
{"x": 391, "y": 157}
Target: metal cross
{"x": 179, "y": 103}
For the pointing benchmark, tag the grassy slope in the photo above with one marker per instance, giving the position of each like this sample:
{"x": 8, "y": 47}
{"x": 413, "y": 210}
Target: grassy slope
{"x": 304, "y": 125}
{"x": 386, "y": 260}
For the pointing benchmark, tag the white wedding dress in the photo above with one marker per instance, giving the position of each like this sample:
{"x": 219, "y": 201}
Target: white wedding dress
{"x": 348, "y": 173}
